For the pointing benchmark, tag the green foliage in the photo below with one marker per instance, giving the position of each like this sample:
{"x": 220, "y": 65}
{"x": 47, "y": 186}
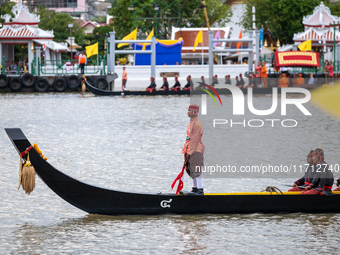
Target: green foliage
{"x": 282, "y": 17}
{"x": 178, "y": 13}
{"x": 58, "y": 22}
{"x": 335, "y": 8}
{"x": 6, "y": 8}
{"x": 99, "y": 35}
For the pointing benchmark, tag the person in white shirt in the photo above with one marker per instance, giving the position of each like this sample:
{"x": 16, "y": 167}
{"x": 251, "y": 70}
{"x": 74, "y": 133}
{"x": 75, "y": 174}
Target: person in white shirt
{"x": 311, "y": 79}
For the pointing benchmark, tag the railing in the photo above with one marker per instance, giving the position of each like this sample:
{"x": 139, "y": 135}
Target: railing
{"x": 67, "y": 67}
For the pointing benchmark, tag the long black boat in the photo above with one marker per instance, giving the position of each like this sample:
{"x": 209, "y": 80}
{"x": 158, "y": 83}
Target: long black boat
{"x": 97, "y": 200}
{"x": 221, "y": 91}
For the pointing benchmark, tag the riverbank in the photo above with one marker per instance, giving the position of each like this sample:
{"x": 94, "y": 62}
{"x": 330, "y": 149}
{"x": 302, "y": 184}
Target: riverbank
{"x": 139, "y": 76}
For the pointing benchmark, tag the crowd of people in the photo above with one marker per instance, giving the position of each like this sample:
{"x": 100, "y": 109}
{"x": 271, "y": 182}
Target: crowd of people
{"x": 12, "y": 68}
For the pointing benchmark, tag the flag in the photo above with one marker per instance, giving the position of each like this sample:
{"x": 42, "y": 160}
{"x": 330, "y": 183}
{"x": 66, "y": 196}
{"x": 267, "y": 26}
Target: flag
{"x": 44, "y": 50}
{"x": 148, "y": 38}
{"x": 199, "y": 39}
{"x": 261, "y": 36}
{"x": 239, "y": 37}
{"x": 217, "y": 36}
{"x": 91, "y": 50}
{"x": 131, "y": 36}
{"x": 305, "y": 46}
{"x": 179, "y": 178}
{"x": 328, "y": 99}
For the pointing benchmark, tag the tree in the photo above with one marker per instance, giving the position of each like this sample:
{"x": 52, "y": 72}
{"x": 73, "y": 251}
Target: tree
{"x": 99, "y": 35}
{"x": 282, "y": 17}
{"x": 184, "y": 13}
{"x": 58, "y": 22}
{"x": 335, "y": 8}
{"x": 6, "y": 8}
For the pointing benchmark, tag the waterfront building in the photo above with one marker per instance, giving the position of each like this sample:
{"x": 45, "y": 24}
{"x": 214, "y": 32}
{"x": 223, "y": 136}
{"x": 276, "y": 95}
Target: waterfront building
{"x": 23, "y": 29}
{"x": 322, "y": 28}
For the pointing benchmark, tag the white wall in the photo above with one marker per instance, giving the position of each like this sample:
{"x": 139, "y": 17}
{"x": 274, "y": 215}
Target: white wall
{"x": 139, "y": 76}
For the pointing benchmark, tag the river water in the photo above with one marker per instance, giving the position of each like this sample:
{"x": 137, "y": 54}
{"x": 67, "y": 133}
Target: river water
{"x": 134, "y": 144}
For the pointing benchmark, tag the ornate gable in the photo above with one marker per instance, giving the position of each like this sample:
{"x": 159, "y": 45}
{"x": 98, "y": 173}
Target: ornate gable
{"x": 22, "y": 16}
{"x": 321, "y": 17}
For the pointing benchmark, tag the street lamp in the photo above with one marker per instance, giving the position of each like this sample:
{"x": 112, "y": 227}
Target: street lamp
{"x": 156, "y": 9}
{"x": 70, "y": 26}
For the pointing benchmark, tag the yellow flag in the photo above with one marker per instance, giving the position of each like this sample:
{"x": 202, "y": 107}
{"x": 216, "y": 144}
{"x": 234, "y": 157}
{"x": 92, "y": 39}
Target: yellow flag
{"x": 131, "y": 36}
{"x": 199, "y": 39}
{"x": 305, "y": 46}
{"x": 148, "y": 38}
{"x": 328, "y": 99}
{"x": 91, "y": 50}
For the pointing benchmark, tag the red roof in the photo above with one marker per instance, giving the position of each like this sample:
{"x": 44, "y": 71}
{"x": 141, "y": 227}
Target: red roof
{"x": 24, "y": 32}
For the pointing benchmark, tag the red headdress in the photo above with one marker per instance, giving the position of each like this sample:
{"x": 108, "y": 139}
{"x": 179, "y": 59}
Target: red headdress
{"x": 319, "y": 154}
{"x": 194, "y": 107}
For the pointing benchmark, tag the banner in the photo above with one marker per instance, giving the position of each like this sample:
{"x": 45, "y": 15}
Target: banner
{"x": 297, "y": 58}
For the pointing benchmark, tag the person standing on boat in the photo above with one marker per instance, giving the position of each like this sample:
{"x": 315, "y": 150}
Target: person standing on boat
{"x": 193, "y": 150}
{"x": 308, "y": 177}
{"x": 124, "y": 79}
{"x": 82, "y": 62}
{"x": 323, "y": 178}
{"x": 264, "y": 74}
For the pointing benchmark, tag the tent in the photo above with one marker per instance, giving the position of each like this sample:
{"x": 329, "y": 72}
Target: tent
{"x": 167, "y": 52}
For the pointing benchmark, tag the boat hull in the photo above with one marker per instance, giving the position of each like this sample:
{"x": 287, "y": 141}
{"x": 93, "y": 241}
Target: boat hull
{"x": 222, "y": 91}
{"x": 95, "y": 200}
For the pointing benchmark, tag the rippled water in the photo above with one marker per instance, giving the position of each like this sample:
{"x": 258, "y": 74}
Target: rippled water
{"x": 134, "y": 144}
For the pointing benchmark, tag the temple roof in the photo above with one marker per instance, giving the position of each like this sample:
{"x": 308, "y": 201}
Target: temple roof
{"x": 321, "y": 17}
{"x": 22, "y": 16}
{"x": 317, "y": 35}
{"x": 25, "y": 32}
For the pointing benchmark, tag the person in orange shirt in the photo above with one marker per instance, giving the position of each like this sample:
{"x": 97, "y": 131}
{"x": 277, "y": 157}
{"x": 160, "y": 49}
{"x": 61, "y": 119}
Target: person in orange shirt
{"x": 284, "y": 81}
{"x": 300, "y": 80}
{"x": 264, "y": 74}
{"x": 193, "y": 150}
{"x": 124, "y": 79}
{"x": 295, "y": 80}
{"x": 258, "y": 69}
{"x": 82, "y": 62}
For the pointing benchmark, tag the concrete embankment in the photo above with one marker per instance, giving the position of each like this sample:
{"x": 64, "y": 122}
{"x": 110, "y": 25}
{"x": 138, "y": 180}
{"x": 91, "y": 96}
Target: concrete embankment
{"x": 139, "y": 76}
